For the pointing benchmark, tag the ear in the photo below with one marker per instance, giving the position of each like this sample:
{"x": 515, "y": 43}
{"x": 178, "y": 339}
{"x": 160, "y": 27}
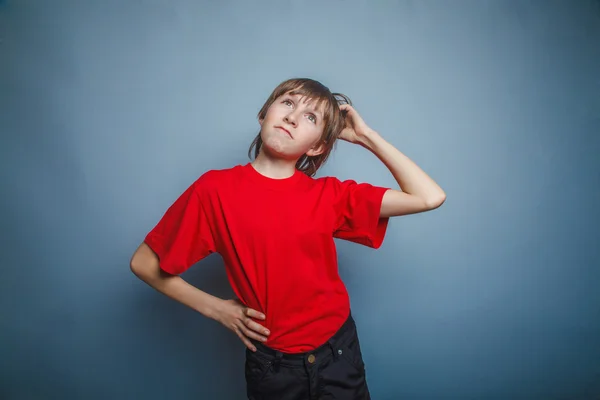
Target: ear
{"x": 317, "y": 149}
{"x": 260, "y": 121}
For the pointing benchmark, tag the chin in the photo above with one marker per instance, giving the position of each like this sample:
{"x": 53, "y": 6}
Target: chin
{"x": 274, "y": 144}
{"x": 278, "y": 149}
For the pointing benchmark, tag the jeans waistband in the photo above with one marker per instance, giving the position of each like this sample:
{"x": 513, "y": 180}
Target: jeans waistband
{"x": 296, "y": 359}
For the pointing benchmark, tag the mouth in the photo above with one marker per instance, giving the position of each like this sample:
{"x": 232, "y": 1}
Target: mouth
{"x": 285, "y": 130}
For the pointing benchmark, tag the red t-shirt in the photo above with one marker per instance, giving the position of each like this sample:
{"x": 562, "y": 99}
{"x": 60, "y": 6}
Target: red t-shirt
{"x": 276, "y": 238}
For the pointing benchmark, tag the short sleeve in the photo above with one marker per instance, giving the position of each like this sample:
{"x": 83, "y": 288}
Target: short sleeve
{"x": 183, "y": 236}
{"x": 358, "y": 208}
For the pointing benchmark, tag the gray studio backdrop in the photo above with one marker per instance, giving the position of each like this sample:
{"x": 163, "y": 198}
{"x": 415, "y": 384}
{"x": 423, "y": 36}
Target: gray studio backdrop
{"x": 109, "y": 110}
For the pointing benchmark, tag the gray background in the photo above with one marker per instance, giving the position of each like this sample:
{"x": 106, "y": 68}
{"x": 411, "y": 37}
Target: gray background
{"x": 110, "y": 109}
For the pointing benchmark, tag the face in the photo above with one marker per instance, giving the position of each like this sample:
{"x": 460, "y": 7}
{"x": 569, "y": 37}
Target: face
{"x": 292, "y": 127}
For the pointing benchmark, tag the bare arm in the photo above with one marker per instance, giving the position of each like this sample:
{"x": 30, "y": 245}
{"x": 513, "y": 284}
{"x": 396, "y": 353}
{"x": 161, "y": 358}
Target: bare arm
{"x": 231, "y": 313}
{"x": 145, "y": 265}
{"x": 418, "y": 192}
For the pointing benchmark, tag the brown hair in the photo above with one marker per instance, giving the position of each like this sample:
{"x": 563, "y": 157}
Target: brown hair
{"x": 333, "y": 118}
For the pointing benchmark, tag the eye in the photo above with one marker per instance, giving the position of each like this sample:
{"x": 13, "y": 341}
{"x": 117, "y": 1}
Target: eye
{"x": 287, "y": 102}
{"x": 314, "y": 119}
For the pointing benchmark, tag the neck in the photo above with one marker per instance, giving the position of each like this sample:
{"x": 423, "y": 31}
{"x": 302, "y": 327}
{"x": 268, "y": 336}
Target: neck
{"x": 273, "y": 167}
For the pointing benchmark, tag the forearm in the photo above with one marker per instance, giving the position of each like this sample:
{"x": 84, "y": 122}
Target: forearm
{"x": 411, "y": 179}
{"x": 178, "y": 289}
{"x": 145, "y": 265}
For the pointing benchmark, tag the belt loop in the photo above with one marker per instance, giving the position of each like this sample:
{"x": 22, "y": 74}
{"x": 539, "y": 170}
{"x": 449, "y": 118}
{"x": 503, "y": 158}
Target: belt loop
{"x": 277, "y": 361}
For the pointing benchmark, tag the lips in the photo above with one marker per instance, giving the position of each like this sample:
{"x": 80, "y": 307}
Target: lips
{"x": 285, "y": 130}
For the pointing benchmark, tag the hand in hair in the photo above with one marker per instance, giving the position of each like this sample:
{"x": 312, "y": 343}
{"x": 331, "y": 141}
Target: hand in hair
{"x": 355, "y": 130}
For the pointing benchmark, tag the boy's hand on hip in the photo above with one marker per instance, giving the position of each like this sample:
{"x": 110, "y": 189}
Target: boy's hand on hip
{"x": 237, "y": 317}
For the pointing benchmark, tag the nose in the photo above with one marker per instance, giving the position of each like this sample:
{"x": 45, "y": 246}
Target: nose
{"x": 290, "y": 118}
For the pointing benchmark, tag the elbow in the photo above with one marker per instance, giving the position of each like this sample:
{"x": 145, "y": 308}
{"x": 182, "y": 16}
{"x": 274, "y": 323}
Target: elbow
{"x": 143, "y": 263}
{"x": 436, "y": 202}
{"x": 137, "y": 267}
{"x": 145, "y": 271}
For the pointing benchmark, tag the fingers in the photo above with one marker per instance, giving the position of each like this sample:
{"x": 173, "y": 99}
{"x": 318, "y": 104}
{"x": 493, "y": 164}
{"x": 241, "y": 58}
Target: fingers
{"x": 242, "y": 323}
{"x": 346, "y": 107}
{"x": 254, "y": 326}
{"x": 245, "y": 340}
{"x": 252, "y": 329}
{"x": 251, "y": 334}
{"x": 245, "y": 333}
{"x": 253, "y": 313}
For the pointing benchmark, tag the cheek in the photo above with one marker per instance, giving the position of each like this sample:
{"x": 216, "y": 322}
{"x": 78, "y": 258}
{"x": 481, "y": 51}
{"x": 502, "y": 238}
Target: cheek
{"x": 314, "y": 133}
{"x": 275, "y": 112}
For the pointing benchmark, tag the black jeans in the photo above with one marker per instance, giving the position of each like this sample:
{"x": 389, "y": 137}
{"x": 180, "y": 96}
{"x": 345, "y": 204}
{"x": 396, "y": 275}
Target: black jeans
{"x": 334, "y": 370}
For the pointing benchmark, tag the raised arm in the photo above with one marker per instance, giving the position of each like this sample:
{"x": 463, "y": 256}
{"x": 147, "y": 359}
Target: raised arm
{"x": 417, "y": 193}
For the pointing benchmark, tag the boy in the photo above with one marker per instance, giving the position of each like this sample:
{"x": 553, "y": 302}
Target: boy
{"x": 274, "y": 224}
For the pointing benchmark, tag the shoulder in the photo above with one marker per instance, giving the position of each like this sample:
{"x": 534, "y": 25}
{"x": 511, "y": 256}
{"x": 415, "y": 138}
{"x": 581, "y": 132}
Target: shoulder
{"x": 349, "y": 188}
{"x": 331, "y": 186}
{"x": 333, "y": 183}
{"x": 213, "y": 179}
